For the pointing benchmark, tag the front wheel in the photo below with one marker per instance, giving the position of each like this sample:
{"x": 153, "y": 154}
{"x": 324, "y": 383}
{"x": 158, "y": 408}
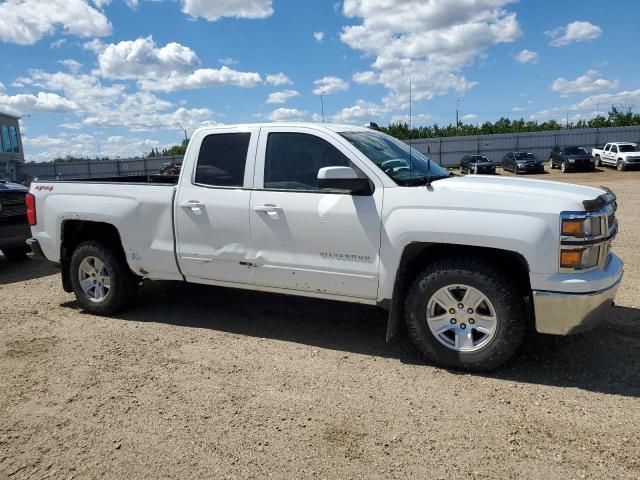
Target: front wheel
{"x": 101, "y": 279}
{"x": 465, "y": 314}
{"x": 621, "y": 166}
{"x": 563, "y": 167}
{"x": 598, "y": 161}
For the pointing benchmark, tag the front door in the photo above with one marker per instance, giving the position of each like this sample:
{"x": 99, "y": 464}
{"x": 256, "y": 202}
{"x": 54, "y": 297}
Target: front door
{"x": 304, "y": 238}
{"x": 212, "y": 207}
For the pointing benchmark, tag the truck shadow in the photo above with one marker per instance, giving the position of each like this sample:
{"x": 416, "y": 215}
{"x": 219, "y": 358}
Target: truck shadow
{"x": 605, "y": 360}
{"x": 23, "y": 270}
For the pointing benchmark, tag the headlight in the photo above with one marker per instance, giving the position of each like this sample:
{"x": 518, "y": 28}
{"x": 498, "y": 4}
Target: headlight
{"x": 580, "y": 258}
{"x": 582, "y": 227}
{"x": 572, "y": 160}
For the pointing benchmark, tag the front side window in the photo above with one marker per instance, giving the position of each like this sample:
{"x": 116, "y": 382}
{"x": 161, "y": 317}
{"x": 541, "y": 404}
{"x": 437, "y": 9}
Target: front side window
{"x": 222, "y": 159}
{"x": 292, "y": 160}
{"x": 406, "y": 166}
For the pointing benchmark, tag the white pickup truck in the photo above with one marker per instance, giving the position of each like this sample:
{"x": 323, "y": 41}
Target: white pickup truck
{"x": 344, "y": 213}
{"x": 622, "y": 155}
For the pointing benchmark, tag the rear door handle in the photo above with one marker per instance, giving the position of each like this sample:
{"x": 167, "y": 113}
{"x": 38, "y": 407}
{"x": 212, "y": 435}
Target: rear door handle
{"x": 268, "y": 208}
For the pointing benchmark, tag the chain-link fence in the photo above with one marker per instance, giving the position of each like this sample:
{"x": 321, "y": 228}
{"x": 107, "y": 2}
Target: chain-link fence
{"x": 93, "y": 168}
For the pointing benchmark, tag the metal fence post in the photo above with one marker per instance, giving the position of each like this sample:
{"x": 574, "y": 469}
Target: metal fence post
{"x": 146, "y": 168}
{"x": 440, "y": 152}
{"x": 89, "y": 168}
{"x": 118, "y": 167}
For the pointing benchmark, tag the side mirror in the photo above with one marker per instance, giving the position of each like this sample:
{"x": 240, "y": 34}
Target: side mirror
{"x": 343, "y": 179}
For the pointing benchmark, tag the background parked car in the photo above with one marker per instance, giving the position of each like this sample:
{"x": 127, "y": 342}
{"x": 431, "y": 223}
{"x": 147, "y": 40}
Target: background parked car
{"x": 522, "y": 162}
{"x": 14, "y": 229}
{"x": 571, "y": 158}
{"x": 477, "y": 164}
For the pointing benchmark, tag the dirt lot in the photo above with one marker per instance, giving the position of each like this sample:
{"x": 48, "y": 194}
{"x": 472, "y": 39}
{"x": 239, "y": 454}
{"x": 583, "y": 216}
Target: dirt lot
{"x": 201, "y": 382}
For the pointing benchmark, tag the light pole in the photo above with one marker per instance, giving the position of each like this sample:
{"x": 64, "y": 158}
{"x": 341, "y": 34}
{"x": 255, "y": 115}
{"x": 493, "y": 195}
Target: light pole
{"x": 457, "y": 108}
{"x": 322, "y": 104}
{"x": 186, "y": 138}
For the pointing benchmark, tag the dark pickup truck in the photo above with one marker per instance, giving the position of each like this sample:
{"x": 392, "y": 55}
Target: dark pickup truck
{"x": 14, "y": 229}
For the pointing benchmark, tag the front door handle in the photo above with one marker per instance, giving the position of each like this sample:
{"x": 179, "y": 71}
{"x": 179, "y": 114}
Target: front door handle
{"x": 268, "y": 208}
{"x": 194, "y": 205}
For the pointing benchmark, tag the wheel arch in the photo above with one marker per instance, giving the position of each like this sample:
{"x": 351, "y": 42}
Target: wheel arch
{"x": 74, "y": 232}
{"x": 418, "y": 255}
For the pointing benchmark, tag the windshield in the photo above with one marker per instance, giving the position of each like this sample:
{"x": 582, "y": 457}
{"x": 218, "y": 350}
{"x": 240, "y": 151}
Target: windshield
{"x": 393, "y": 158}
{"x": 628, "y": 148}
{"x": 574, "y": 151}
{"x": 478, "y": 159}
{"x": 525, "y": 156}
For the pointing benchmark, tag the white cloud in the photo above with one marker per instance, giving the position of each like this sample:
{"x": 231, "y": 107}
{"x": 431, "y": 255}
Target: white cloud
{"x": 228, "y": 61}
{"x": 577, "y": 31}
{"x": 517, "y": 109}
{"x": 24, "y": 103}
{"x": 213, "y": 10}
{"x": 362, "y": 111}
{"x": 202, "y": 78}
{"x": 58, "y": 43}
{"x": 526, "y": 56}
{"x": 112, "y": 105}
{"x": 283, "y": 96}
{"x": 368, "y": 77}
{"x": 319, "y": 36}
{"x": 591, "y": 104}
{"x": 429, "y": 41}
{"x": 329, "y": 85}
{"x": 277, "y": 79}
{"x": 142, "y": 58}
{"x": 72, "y": 65}
{"x": 2, "y": 87}
{"x": 45, "y": 147}
{"x": 26, "y": 21}
{"x": 287, "y": 115}
{"x": 587, "y": 83}
{"x": 470, "y": 117}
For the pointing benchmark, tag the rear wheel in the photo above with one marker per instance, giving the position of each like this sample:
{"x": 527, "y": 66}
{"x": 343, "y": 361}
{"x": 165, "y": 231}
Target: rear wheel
{"x": 101, "y": 279}
{"x": 16, "y": 253}
{"x": 465, "y": 314}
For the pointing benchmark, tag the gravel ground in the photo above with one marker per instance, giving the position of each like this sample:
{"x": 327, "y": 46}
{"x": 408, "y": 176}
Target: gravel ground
{"x": 203, "y": 382}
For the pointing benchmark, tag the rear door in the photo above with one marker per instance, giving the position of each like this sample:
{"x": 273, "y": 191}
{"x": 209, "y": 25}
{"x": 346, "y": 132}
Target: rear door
{"x": 212, "y": 206}
{"x": 308, "y": 239}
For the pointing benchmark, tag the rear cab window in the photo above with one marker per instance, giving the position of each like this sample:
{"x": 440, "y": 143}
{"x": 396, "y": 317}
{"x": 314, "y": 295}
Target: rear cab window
{"x": 222, "y": 159}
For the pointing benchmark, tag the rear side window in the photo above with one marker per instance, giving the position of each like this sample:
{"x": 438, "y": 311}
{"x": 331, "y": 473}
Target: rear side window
{"x": 222, "y": 159}
{"x": 293, "y": 159}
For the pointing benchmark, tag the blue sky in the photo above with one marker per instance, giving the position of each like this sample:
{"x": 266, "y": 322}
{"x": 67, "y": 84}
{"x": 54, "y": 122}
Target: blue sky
{"x": 123, "y": 76}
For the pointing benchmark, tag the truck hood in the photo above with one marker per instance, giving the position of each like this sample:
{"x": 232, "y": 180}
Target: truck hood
{"x": 518, "y": 193}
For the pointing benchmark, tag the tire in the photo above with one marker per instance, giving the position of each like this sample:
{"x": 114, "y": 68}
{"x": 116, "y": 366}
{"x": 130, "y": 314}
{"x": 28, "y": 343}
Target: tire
{"x": 16, "y": 254}
{"x": 563, "y": 167}
{"x": 598, "y": 161}
{"x": 122, "y": 282}
{"x": 620, "y": 166}
{"x": 551, "y": 164}
{"x": 505, "y": 300}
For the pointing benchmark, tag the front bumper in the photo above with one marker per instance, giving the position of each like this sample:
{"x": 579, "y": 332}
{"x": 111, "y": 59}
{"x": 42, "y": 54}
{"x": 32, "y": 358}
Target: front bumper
{"x": 561, "y": 313}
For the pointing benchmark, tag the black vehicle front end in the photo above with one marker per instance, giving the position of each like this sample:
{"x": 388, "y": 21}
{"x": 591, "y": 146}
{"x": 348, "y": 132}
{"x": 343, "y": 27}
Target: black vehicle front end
{"x": 529, "y": 166}
{"x": 14, "y": 228}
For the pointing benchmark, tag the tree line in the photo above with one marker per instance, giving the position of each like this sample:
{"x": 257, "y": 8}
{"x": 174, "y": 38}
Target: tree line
{"x": 616, "y": 117}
